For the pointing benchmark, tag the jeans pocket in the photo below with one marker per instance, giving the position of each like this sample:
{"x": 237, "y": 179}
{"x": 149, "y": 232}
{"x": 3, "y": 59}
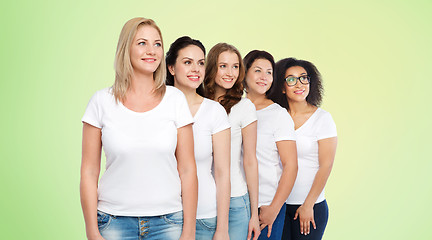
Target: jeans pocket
{"x": 173, "y": 218}
{"x": 103, "y": 220}
{"x": 208, "y": 223}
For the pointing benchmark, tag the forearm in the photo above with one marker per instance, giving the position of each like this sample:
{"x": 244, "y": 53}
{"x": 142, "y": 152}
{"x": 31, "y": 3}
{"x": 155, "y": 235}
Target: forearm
{"x": 250, "y": 165}
{"x": 223, "y": 193}
{"x": 285, "y": 186}
{"x": 318, "y": 185}
{"x": 189, "y": 186}
{"x": 88, "y": 192}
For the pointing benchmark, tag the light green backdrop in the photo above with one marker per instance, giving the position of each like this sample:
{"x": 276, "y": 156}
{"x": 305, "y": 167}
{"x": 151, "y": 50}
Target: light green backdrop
{"x": 374, "y": 56}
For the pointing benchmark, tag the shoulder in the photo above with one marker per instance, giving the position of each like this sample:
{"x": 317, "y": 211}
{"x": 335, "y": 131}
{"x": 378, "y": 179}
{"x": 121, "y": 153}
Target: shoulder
{"x": 103, "y": 95}
{"x": 246, "y": 104}
{"x": 173, "y": 91}
{"x": 323, "y": 115}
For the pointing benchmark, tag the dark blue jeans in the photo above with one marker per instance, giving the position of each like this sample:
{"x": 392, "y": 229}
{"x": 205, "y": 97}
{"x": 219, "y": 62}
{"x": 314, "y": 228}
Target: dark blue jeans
{"x": 277, "y": 227}
{"x": 291, "y": 230}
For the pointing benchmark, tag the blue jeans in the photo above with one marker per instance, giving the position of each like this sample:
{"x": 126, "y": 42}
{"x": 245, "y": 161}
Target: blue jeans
{"x": 205, "y": 228}
{"x": 277, "y": 227}
{"x": 291, "y": 229}
{"x": 239, "y": 216}
{"x": 165, "y": 227}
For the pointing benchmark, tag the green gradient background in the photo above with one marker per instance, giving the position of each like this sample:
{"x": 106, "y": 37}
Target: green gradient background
{"x": 375, "y": 59}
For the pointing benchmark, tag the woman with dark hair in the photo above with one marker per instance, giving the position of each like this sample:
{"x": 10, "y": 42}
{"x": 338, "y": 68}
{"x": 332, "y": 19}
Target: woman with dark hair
{"x": 149, "y": 187}
{"x": 298, "y": 88}
{"x": 276, "y": 147}
{"x": 223, "y": 83}
{"x": 185, "y": 63}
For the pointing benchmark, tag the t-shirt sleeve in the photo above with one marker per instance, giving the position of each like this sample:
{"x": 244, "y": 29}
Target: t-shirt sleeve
{"x": 284, "y": 127}
{"x": 326, "y": 127}
{"x": 92, "y": 114}
{"x": 183, "y": 114}
{"x": 220, "y": 119}
{"x": 248, "y": 113}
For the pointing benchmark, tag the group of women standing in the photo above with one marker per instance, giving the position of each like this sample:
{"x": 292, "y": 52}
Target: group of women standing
{"x": 197, "y": 160}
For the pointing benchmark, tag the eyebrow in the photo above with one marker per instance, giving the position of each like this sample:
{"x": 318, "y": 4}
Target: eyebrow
{"x": 202, "y": 59}
{"x": 157, "y": 40}
{"x": 294, "y": 76}
{"x": 271, "y": 69}
{"x": 227, "y": 63}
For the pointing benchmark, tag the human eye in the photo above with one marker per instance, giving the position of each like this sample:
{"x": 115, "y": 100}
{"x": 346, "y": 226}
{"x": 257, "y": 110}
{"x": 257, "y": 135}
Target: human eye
{"x": 222, "y": 66}
{"x": 235, "y": 66}
{"x": 290, "y": 79}
{"x": 257, "y": 70}
{"x": 187, "y": 62}
{"x": 269, "y": 72}
{"x": 142, "y": 43}
{"x": 158, "y": 44}
{"x": 201, "y": 63}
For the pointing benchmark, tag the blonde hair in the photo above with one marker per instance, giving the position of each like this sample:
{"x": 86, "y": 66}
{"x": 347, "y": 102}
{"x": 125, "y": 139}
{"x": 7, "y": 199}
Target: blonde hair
{"x": 122, "y": 64}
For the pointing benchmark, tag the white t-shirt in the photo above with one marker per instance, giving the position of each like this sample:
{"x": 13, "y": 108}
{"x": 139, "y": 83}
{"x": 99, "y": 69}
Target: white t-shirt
{"x": 274, "y": 125}
{"x": 319, "y": 126}
{"x": 141, "y": 177}
{"x": 210, "y": 119}
{"x": 241, "y": 115}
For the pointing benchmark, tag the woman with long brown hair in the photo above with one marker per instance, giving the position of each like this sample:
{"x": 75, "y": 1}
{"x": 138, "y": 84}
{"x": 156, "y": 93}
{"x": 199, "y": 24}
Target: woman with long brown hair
{"x": 223, "y": 83}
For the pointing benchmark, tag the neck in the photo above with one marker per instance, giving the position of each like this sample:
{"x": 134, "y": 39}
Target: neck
{"x": 256, "y": 98}
{"x": 219, "y": 92}
{"x": 141, "y": 83}
{"x": 298, "y": 107}
{"x": 190, "y": 93}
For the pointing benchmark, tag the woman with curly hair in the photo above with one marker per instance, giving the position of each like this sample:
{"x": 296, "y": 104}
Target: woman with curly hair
{"x": 298, "y": 88}
{"x": 223, "y": 83}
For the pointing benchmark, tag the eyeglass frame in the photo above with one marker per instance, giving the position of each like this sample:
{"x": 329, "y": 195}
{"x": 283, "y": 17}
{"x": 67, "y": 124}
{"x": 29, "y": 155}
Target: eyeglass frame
{"x": 297, "y": 80}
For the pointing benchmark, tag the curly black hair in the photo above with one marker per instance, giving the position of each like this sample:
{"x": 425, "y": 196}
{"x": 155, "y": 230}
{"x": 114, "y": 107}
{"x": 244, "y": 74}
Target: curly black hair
{"x": 277, "y": 92}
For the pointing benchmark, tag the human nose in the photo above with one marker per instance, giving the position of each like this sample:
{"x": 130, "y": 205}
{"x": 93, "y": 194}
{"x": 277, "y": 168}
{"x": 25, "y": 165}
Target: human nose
{"x": 150, "y": 50}
{"x": 195, "y": 67}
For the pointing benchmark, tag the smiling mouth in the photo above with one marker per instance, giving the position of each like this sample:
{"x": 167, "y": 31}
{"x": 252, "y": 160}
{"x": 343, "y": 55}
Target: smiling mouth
{"x": 261, "y": 84}
{"x": 150, "y": 60}
{"x": 228, "y": 79}
{"x": 194, "y": 78}
{"x": 299, "y": 91}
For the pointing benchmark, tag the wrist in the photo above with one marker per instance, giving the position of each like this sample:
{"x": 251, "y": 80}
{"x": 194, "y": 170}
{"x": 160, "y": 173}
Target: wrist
{"x": 308, "y": 204}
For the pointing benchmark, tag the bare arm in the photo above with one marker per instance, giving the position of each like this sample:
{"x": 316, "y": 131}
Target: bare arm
{"x": 221, "y": 155}
{"x": 288, "y": 156}
{"x": 90, "y": 169}
{"x": 189, "y": 183}
{"x": 326, "y": 155}
{"x": 250, "y": 164}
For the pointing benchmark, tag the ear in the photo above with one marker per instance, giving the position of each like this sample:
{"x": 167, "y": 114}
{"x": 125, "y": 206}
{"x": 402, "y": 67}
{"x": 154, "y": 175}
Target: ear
{"x": 171, "y": 70}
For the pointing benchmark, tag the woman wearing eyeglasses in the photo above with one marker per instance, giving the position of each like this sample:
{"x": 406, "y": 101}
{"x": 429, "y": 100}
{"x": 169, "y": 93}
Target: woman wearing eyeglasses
{"x": 298, "y": 88}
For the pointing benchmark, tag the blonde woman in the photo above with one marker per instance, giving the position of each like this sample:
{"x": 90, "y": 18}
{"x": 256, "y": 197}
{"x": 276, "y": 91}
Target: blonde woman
{"x": 149, "y": 187}
{"x": 186, "y": 70}
{"x": 223, "y": 83}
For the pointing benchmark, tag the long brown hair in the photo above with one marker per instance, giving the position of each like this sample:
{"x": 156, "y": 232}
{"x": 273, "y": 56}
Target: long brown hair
{"x": 232, "y": 95}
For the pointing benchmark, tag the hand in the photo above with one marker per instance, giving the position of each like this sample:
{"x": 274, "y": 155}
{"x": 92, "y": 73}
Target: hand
{"x": 306, "y": 217}
{"x": 221, "y": 235}
{"x": 266, "y": 217}
{"x": 254, "y": 227}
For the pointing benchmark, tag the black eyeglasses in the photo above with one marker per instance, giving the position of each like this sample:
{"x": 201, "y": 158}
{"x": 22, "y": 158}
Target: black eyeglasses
{"x": 292, "y": 81}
